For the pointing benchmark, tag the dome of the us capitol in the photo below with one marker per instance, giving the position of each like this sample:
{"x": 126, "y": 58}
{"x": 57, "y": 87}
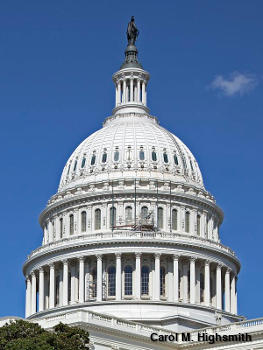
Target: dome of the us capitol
{"x": 131, "y": 145}
{"x": 132, "y": 232}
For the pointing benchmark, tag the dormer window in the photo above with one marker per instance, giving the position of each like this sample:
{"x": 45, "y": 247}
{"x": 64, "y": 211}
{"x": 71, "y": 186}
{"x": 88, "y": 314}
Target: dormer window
{"x": 165, "y": 157}
{"x": 104, "y": 157}
{"x": 83, "y": 162}
{"x": 141, "y": 154}
{"x": 154, "y": 155}
{"x": 75, "y": 165}
{"x": 93, "y": 159}
{"x": 116, "y": 155}
{"x": 175, "y": 159}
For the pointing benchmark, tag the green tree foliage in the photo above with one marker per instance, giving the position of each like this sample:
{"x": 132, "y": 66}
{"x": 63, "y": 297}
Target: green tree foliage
{"x": 22, "y": 335}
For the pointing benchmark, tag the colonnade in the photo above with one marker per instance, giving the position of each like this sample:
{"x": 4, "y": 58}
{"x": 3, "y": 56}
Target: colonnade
{"x": 170, "y": 278}
{"x": 131, "y": 90}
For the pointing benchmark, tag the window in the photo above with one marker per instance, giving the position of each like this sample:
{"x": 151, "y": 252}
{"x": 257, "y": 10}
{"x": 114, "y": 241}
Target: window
{"x": 174, "y": 219}
{"x": 57, "y": 290}
{"x": 71, "y": 224}
{"x": 145, "y": 280}
{"x": 128, "y": 280}
{"x": 191, "y": 164}
{"x": 175, "y": 159}
{"x": 61, "y": 227}
{"x": 160, "y": 218}
{"x": 68, "y": 169}
{"x": 83, "y": 221}
{"x": 83, "y": 162}
{"x": 187, "y": 222}
{"x": 75, "y": 165}
{"x": 69, "y": 286}
{"x": 141, "y": 154}
{"x": 198, "y": 225}
{"x": 94, "y": 283}
{"x": 154, "y": 156}
{"x": 162, "y": 281}
{"x": 165, "y": 157}
{"x": 104, "y": 157}
{"x": 128, "y": 214}
{"x": 111, "y": 281}
{"x": 116, "y": 156}
{"x": 97, "y": 219}
{"x": 112, "y": 217}
{"x": 144, "y": 212}
{"x": 93, "y": 159}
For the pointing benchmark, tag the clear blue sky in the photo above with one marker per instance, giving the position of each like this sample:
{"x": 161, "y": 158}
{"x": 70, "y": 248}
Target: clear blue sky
{"x": 56, "y": 61}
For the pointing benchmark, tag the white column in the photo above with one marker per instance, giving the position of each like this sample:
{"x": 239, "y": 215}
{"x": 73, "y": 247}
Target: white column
{"x": 143, "y": 93}
{"x": 207, "y": 283}
{"x": 99, "y": 278}
{"x": 192, "y": 281}
{"x": 28, "y": 296}
{"x": 131, "y": 90}
{"x": 34, "y": 294}
{"x": 219, "y": 287}
{"x": 124, "y": 92}
{"x": 176, "y": 278}
{"x": 185, "y": 282}
{"x": 138, "y": 90}
{"x": 81, "y": 279}
{"x": 51, "y": 286}
{"x": 41, "y": 290}
{"x": 227, "y": 290}
{"x": 233, "y": 294}
{"x": 157, "y": 277}
{"x": 138, "y": 276}
{"x": 116, "y": 95}
{"x": 119, "y": 93}
{"x": 65, "y": 282}
{"x": 118, "y": 276}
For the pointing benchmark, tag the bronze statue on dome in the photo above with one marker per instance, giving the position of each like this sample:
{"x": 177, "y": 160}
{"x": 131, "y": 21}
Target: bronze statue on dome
{"x": 132, "y": 32}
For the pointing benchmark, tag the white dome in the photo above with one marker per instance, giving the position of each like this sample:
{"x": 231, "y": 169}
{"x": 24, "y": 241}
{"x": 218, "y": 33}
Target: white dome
{"x": 116, "y": 148}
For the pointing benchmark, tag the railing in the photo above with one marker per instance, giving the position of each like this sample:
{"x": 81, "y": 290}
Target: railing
{"x": 132, "y": 235}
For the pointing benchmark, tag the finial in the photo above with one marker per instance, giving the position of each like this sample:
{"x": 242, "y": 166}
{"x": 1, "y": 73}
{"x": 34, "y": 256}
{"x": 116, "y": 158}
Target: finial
{"x": 132, "y": 32}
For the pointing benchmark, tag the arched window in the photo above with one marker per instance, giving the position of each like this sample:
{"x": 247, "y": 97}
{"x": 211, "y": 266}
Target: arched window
{"x": 61, "y": 227}
{"x": 206, "y": 226}
{"x": 160, "y": 218}
{"x": 154, "y": 156}
{"x": 191, "y": 164}
{"x": 112, "y": 217}
{"x": 144, "y": 212}
{"x": 94, "y": 283}
{"x": 116, "y": 156}
{"x": 104, "y": 157}
{"x": 83, "y": 162}
{"x": 165, "y": 157}
{"x": 175, "y": 159}
{"x": 187, "y": 222}
{"x": 141, "y": 154}
{"x": 128, "y": 280}
{"x": 128, "y": 215}
{"x": 68, "y": 169}
{"x": 93, "y": 159}
{"x": 174, "y": 219}
{"x": 202, "y": 287}
{"x": 83, "y": 221}
{"x": 198, "y": 225}
{"x": 75, "y": 165}
{"x": 162, "y": 281}
{"x": 71, "y": 224}
{"x": 97, "y": 219}
{"x": 145, "y": 280}
{"x": 111, "y": 281}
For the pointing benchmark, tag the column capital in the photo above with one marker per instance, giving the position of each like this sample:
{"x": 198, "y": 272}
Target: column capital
{"x": 51, "y": 265}
{"x": 99, "y": 256}
{"x": 228, "y": 270}
{"x": 157, "y": 255}
{"x": 28, "y": 278}
{"x": 219, "y": 266}
{"x": 138, "y": 255}
{"x": 118, "y": 255}
{"x": 82, "y": 258}
{"x": 207, "y": 262}
{"x": 176, "y": 257}
{"x": 33, "y": 274}
{"x": 65, "y": 261}
{"x": 192, "y": 259}
{"x": 41, "y": 269}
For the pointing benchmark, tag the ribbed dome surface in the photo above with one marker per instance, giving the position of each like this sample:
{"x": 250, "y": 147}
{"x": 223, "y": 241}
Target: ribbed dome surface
{"x": 128, "y": 146}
